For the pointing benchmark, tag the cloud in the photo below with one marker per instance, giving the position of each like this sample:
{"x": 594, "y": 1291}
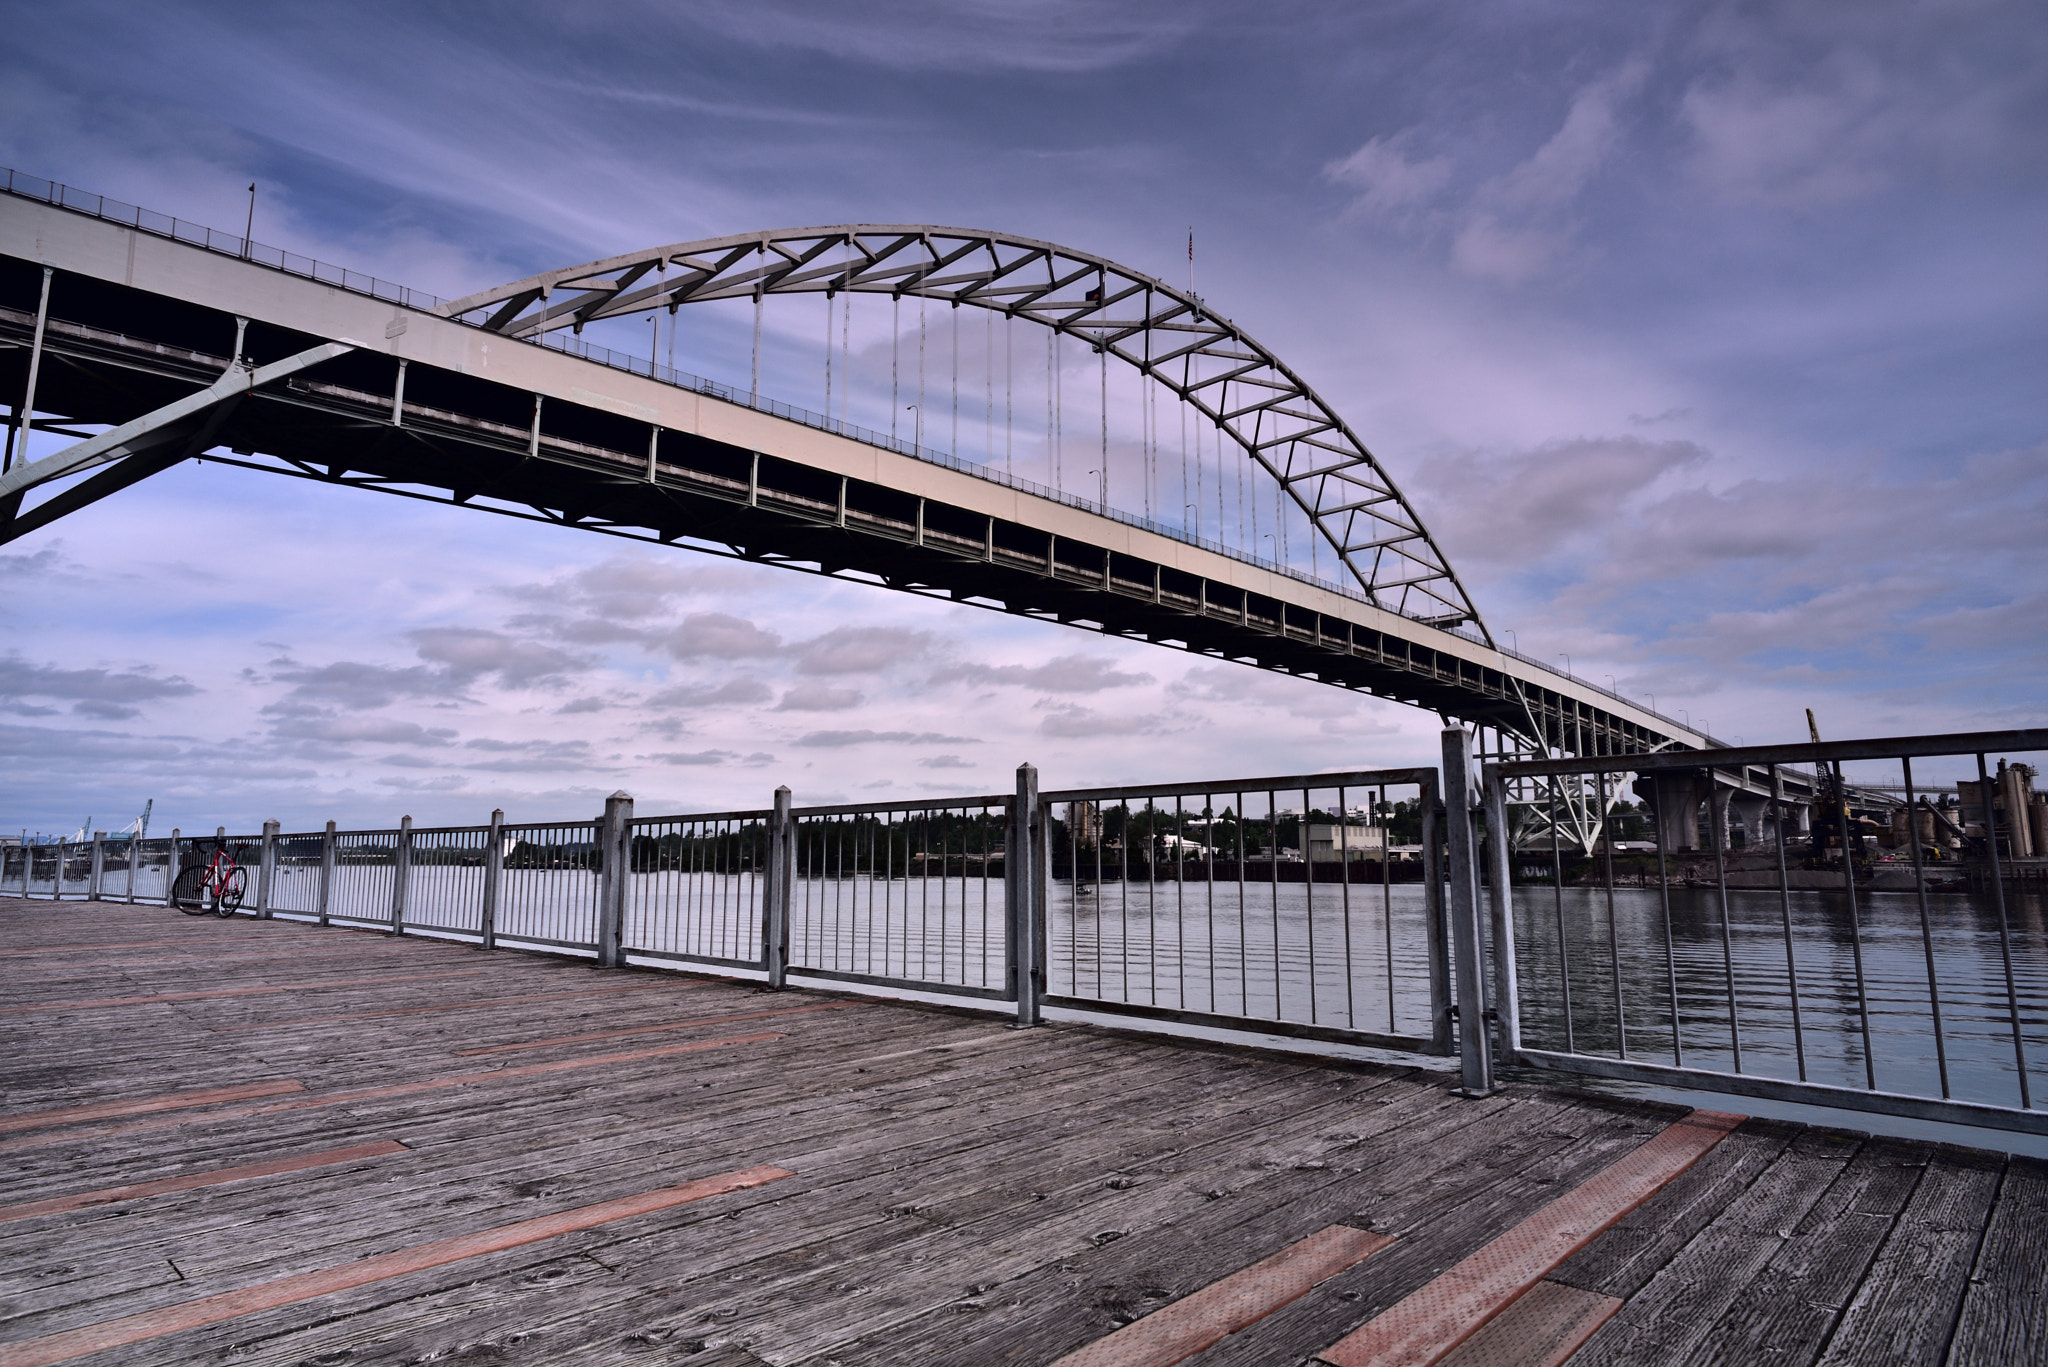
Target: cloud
{"x": 721, "y": 636}
{"x": 581, "y": 705}
{"x": 106, "y": 711}
{"x": 945, "y": 762}
{"x": 382, "y": 730}
{"x": 1061, "y": 674}
{"x": 99, "y": 686}
{"x": 839, "y": 739}
{"x": 1516, "y": 507}
{"x": 1388, "y": 181}
{"x": 470, "y": 653}
{"x": 697, "y": 757}
{"x": 860, "y": 650}
{"x": 1051, "y": 36}
{"x": 731, "y": 693}
{"x": 513, "y": 756}
{"x": 1072, "y": 721}
{"x": 817, "y": 697}
{"x": 1558, "y": 170}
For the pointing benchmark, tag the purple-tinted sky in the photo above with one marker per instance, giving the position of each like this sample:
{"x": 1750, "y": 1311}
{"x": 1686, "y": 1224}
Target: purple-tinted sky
{"x": 1709, "y": 338}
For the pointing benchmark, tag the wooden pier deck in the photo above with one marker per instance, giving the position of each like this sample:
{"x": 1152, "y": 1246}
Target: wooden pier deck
{"x": 266, "y": 1143}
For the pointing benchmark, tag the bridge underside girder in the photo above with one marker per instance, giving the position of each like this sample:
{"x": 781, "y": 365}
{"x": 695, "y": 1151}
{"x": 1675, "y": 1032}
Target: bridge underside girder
{"x": 112, "y": 354}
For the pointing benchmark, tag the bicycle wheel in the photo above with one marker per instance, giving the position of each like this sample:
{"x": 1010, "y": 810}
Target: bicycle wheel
{"x": 231, "y": 892}
{"x": 188, "y": 893}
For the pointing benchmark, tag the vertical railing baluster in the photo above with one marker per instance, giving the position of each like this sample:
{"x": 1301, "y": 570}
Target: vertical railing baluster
{"x": 2012, "y": 999}
{"x": 1785, "y": 913}
{"x": 1670, "y": 951}
{"x": 1433, "y": 922}
{"x": 96, "y": 867}
{"x": 1507, "y": 997}
{"x": 134, "y": 864}
{"x": 1926, "y": 927}
{"x": 1727, "y": 934}
{"x": 1613, "y": 931}
{"x": 1849, "y": 843}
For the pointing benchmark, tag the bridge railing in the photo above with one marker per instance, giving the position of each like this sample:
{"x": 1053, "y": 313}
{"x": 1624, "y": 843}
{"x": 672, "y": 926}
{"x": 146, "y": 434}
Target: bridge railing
{"x": 907, "y": 894}
{"x": 1278, "y": 903}
{"x": 1881, "y": 945}
{"x": 199, "y": 235}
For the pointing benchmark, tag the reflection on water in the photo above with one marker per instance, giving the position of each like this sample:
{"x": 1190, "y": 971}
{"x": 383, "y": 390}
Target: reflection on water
{"x": 1704, "y": 969}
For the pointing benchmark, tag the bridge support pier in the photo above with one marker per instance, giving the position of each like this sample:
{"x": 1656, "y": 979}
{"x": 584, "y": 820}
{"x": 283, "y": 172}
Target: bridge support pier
{"x": 1748, "y": 810}
{"x": 1675, "y": 800}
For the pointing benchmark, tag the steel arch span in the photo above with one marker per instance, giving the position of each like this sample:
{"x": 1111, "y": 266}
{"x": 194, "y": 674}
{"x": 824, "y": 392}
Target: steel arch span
{"x": 177, "y": 342}
{"x": 1168, "y": 335}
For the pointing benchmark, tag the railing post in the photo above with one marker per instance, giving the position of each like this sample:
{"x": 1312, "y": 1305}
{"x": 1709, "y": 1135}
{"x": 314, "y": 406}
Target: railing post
{"x": 401, "y": 874}
{"x": 57, "y": 874}
{"x": 776, "y": 891}
{"x": 326, "y": 874}
{"x": 1507, "y": 1001}
{"x": 134, "y": 864}
{"x": 494, "y": 869}
{"x": 1024, "y": 897}
{"x": 171, "y": 871}
{"x": 1466, "y": 934}
{"x": 1433, "y": 921}
{"x": 613, "y": 835}
{"x": 266, "y": 869}
{"x": 99, "y": 866}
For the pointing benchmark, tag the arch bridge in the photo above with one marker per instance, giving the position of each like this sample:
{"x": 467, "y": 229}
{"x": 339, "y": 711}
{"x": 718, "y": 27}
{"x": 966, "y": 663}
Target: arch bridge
{"x": 143, "y": 341}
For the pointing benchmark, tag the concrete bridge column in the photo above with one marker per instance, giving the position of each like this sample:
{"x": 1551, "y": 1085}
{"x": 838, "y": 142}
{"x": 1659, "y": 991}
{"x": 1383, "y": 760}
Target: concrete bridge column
{"x": 1718, "y": 799}
{"x": 1748, "y": 810}
{"x": 1675, "y": 799}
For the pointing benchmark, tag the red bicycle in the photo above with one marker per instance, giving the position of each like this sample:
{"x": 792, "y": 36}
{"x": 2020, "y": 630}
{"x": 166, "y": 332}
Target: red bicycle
{"x": 215, "y": 886}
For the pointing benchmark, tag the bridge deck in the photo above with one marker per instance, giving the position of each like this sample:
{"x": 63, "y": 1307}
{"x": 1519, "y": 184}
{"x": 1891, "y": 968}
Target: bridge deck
{"x": 284, "y": 1145}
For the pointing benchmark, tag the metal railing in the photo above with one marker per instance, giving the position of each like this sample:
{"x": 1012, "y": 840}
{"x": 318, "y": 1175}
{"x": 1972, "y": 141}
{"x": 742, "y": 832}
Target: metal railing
{"x": 906, "y": 894}
{"x": 1269, "y": 901}
{"x": 1796, "y": 950}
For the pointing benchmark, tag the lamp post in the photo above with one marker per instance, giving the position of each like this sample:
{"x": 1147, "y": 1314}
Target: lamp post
{"x": 1566, "y": 657}
{"x": 916, "y": 429}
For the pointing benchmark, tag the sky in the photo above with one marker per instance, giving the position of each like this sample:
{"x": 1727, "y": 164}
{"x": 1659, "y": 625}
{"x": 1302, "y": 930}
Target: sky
{"x": 1708, "y": 339}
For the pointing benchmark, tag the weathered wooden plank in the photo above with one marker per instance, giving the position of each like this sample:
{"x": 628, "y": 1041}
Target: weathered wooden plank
{"x": 1621, "y": 1261}
{"x": 1906, "y": 1306}
{"x": 2005, "y": 1315}
{"x": 1677, "y": 1311}
{"x": 1787, "y": 1313}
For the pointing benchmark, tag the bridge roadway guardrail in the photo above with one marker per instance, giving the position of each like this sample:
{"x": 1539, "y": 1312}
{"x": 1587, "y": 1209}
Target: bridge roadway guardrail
{"x": 1370, "y": 908}
{"x": 1900, "y": 970}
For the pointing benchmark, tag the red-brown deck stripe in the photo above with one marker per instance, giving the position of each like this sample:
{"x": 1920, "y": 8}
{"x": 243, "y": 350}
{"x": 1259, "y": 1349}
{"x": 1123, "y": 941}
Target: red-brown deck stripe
{"x": 452, "y": 1006}
{"x": 653, "y": 1029}
{"x": 164, "y": 1101}
{"x": 1543, "y": 1328}
{"x": 230, "y": 992}
{"x": 394, "y": 1089}
{"x": 1425, "y": 1326}
{"x": 305, "y": 1286}
{"x": 192, "y": 1181}
{"x": 1176, "y": 1332}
